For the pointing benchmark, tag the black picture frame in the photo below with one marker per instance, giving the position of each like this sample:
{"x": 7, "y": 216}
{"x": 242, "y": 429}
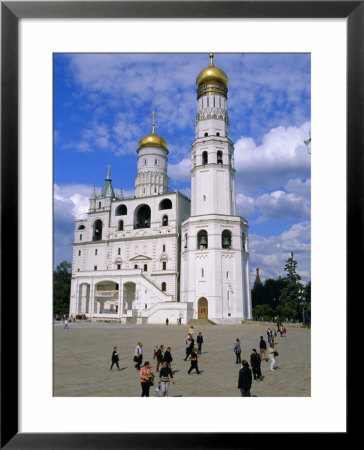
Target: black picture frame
{"x": 11, "y": 12}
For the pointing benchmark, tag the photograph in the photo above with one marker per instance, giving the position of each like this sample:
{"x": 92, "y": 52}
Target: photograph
{"x": 181, "y": 224}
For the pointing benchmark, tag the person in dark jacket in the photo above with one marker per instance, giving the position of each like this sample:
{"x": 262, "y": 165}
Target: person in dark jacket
{"x": 245, "y": 379}
{"x": 194, "y": 362}
{"x": 263, "y": 348}
{"x": 115, "y": 358}
{"x": 199, "y": 341}
{"x": 164, "y": 376}
{"x": 160, "y": 356}
{"x": 168, "y": 357}
{"x": 255, "y": 364}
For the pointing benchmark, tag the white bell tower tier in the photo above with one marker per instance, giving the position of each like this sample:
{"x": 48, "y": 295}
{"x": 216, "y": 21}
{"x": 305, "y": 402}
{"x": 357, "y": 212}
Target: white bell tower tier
{"x": 215, "y": 258}
{"x": 152, "y": 178}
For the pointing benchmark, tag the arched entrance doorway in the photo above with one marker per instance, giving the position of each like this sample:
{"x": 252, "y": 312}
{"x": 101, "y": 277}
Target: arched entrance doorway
{"x": 203, "y": 308}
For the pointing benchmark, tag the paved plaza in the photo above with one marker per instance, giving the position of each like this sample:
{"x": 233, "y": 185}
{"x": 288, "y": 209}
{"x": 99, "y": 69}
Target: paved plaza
{"x": 82, "y": 359}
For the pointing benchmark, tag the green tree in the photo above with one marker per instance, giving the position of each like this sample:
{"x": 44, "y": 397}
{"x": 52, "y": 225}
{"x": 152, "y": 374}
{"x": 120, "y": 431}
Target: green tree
{"x": 289, "y": 300}
{"x": 62, "y": 288}
{"x": 264, "y": 311}
{"x": 268, "y": 293}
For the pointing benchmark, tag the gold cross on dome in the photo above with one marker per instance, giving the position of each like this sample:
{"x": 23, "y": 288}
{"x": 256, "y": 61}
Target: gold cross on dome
{"x": 153, "y": 124}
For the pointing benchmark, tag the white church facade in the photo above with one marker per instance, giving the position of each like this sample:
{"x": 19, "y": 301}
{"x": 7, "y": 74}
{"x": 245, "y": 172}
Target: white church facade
{"x": 158, "y": 254}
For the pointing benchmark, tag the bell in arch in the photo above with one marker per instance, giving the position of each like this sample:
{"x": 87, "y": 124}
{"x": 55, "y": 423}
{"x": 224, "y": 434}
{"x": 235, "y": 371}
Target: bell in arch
{"x": 203, "y": 240}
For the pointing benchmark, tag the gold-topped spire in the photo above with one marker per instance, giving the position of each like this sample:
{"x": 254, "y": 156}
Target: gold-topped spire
{"x": 153, "y": 140}
{"x": 212, "y": 75}
{"x": 153, "y": 123}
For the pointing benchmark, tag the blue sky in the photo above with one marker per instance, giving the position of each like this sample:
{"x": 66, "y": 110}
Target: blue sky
{"x": 102, "y": 108}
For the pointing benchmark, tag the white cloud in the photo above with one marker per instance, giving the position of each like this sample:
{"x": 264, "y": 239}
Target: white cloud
{"x": 279, "y": 205}
{"x": 271, "y": 253}
{"x": 180, "y": 171}
{"x": 281, "y": 157}
{"x": 245, "y": 206}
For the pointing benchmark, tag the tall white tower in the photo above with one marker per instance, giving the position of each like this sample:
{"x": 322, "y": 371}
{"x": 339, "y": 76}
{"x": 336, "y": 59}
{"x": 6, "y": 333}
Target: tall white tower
{"x": 152, "y": 178}
{"x": 215, "y": 258}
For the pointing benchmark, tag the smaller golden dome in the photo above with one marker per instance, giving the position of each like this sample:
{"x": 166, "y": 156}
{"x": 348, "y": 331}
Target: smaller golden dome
{"x": 211, "y": 75}
{"x": 153, "y": 140}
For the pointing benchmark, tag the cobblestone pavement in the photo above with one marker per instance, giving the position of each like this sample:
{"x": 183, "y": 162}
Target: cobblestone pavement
{"x": 82, "y": 359}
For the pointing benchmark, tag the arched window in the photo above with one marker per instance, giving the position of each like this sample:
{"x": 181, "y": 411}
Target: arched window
{"x": 218, "y": 133}
{"x": 120, "y": 225}
{"x": 81, "y": 227}
{"x": 206, "y": 134}
{"x": 243, "y": 241}
{"x": 219, "y": 157}
{"x": 226, "y": 239}
{"x": 97, "y": 232}
{"x": 164, "y": 221}
{"x": 205, "y": 158}
{"x": 121, "y": 210}
{"x": 186, "y": 240}
{"x": 164, "y": 287}
{"x": 202, "y": 239}
{"x": 164, "y": 265}
{"x": 145, "y": 268}
{"x": 165, "y": 204}
{"x": 142, "y": 217}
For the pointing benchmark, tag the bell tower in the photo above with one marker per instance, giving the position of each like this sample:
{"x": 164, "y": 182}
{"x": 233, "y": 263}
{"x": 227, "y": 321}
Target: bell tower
{"x": 212, "y": 152}
{"x": 214, "y": 256}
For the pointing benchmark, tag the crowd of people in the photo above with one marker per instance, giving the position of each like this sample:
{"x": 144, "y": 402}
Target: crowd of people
{"x": 247, "y": 373}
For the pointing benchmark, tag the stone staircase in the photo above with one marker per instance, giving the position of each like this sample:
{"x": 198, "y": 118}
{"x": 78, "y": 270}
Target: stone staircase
{"x": 201, "y": 322}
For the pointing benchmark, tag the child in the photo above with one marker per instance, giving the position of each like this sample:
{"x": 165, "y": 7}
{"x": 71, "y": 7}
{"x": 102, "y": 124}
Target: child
{"x": 115, "y": 358}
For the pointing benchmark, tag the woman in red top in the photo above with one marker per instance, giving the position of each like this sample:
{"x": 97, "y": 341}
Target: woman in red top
{"x": 144, "y": 373}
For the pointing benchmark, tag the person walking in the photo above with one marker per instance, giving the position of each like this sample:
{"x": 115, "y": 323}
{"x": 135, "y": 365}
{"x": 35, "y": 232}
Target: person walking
{"x": 191, "y": 330}
{"x": 115, "y": 358}
{"x": 145, "y": 375}
{"x": 189, "y": 347}
{"x": 237, "y": 351}
{"x": 138, "y": 355}
{"x": 194, "y": 364}
{"x": 168, "y": 357}
{"x": 199, "y": 341}
{"x": 263, "y": 348}
{"x": 284, "y": 332}
{"x": 167, "y": 321}
{"x": 269, "y": 335}
{"x": 65, "y": 323}
{"x": 272, "y": 355}
{"x": 245, "y": 379}
{"x": 165, "y": 376}
{"x": 159, "y": 356}
{"x": 255, "y": 365}
{"x": 274, "y": 334}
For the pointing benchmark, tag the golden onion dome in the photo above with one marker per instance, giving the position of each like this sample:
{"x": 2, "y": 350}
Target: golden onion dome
{"x": 212, "y": 75}
{"x": 153, "y": 140}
